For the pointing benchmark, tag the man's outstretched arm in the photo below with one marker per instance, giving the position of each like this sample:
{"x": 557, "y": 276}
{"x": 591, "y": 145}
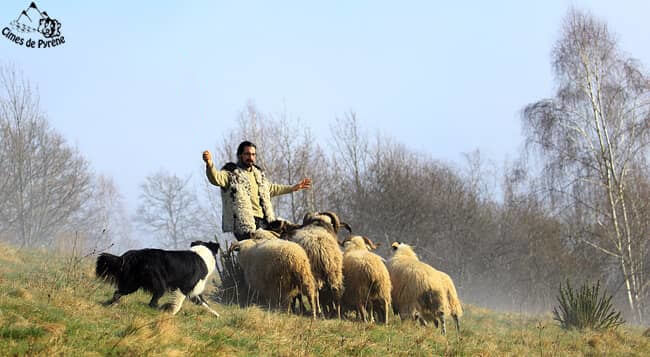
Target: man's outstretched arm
{"x": 217, "y": 178}
{"x": 277, "y": 189}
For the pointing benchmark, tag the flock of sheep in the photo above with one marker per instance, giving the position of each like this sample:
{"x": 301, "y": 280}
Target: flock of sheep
{"x": 291, "y": 261}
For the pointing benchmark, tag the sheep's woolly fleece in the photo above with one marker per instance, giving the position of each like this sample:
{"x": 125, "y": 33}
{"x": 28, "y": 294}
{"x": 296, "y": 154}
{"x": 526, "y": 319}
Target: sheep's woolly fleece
{"x": 419, "y": 290}
{"x": 366, "y": 279}
{"x": 277, "y": 269}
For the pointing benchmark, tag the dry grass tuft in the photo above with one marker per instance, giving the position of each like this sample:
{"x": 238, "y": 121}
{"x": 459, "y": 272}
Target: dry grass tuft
{"x": 21, "y": 293}
{"x": 9, "y": 254}
{"x": 594, "y": 341}
{"x": 646, "y": 333}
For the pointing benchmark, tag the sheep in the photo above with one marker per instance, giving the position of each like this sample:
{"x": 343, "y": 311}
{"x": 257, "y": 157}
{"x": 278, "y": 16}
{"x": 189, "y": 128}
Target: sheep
{"x": 421, "y": 291}
{"x": 366, "y": 279}
{"x": 318, "y": 236}
{"x": 277, "y": 269}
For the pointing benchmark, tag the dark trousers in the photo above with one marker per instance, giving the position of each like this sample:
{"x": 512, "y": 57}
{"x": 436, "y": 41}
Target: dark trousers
{"x": 260, "y": 223}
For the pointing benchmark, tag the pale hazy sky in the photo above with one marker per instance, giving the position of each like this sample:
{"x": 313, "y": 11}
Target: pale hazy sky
{"x": 141, "y": 87}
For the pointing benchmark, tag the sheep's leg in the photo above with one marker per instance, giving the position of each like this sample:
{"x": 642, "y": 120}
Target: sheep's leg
{"x": 301, "y": 304}
{"x": 385, "y": 311}
{"x": 363, "y": 314}
{"x": 416, "y": 316}
{"x": 380, "y": 308}
{"x": 457, "y": 322}
{"x": 443, "y": 324}
{"x": 314, "y": 305}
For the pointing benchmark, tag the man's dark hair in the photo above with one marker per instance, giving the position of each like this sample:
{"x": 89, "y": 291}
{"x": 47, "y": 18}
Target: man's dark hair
{"x": 244, "y": 145}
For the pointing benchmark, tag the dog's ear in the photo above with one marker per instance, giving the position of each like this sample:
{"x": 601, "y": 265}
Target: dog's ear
{"x": 196, "y": 242}
{"x": 213, "y": 246}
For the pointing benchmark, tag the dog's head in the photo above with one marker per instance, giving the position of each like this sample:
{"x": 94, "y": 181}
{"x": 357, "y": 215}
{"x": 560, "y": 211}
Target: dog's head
{"x": 213, "y": 246}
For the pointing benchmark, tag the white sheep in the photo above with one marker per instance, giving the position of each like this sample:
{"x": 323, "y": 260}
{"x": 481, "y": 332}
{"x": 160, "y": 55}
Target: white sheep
{"x": 366, "y": 279}
{"x": 277, "y": 269}
{"x": 318, "y": 236}
{"x": 421, "y": 291}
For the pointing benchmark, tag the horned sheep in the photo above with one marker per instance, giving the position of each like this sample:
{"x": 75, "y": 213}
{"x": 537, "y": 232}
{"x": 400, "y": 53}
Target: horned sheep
{"x": 421, "y": 291}
{"x": 277, "y": 269}
{"x": 318, "y": 236}
{"x": 366, "y": 279}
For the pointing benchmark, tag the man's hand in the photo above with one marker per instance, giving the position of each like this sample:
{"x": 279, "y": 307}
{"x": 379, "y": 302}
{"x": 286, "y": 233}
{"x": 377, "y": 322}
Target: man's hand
{"x": 207, "y": 157}
{"x": 302, "y": 185}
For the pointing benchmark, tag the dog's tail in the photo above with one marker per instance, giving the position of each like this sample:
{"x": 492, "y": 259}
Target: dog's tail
{"x": 109, "y": 267}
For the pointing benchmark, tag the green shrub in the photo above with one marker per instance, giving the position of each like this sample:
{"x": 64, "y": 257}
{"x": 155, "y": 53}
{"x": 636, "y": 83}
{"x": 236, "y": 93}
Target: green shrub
{"x": 586, "y": 308}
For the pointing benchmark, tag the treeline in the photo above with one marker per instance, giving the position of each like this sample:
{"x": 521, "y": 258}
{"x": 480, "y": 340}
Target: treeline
{"x": 573, "y": 206}
{"x": 49, "y": 196}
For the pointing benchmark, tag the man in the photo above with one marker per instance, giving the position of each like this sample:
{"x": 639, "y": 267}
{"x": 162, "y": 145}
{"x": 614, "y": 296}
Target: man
{"x": 246, "y": 192}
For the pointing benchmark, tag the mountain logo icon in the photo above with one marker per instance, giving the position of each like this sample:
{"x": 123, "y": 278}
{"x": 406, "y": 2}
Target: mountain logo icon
{"x": 34, "y": 20}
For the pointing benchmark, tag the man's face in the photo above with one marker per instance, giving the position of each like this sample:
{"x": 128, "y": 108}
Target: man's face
{"x": 248, "y": 156}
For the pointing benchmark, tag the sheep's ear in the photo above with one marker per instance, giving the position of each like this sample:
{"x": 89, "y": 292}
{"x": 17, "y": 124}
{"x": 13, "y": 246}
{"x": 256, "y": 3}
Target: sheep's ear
{"x": 233, "y": 248}
{"x": 342, "y": 242}
{"x": 395, "y": 245}
{"x": 277, "y": 226}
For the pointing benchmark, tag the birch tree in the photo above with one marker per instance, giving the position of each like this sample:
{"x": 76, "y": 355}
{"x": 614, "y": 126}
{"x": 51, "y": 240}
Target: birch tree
{"x": 590, "y": 134}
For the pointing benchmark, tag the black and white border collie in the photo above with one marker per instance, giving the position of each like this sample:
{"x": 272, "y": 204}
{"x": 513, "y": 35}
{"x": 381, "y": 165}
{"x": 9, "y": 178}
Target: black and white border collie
{"x": 184, "y": 272}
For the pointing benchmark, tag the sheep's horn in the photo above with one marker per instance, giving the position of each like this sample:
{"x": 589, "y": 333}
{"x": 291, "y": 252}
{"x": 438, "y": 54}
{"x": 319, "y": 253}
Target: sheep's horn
{"x": 347, "y": 227}
{"x": 336, "y": 223}
{"x": 369, "y": 242}
{"x": 232, "y": 247}
{"x": 309, "y": 216}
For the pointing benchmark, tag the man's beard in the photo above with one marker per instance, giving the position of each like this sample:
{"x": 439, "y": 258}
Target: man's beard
{"x": 246, "y": 164}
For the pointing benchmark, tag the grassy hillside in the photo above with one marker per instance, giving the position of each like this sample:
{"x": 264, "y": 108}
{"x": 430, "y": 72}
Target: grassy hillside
{"x": 50, "y": 305}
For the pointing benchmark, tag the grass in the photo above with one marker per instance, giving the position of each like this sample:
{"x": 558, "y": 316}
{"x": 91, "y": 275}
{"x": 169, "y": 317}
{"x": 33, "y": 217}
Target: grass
{"x": 47, "y": 308}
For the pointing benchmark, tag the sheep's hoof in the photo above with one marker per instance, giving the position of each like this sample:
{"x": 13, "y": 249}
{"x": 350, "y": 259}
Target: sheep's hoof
{"x": 422, "y": 321}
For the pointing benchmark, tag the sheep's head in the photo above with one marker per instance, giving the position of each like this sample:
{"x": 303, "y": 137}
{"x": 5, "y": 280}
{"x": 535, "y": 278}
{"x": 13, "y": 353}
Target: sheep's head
{"x": 327, "y": 219}
{"x": 358, "y": 243}
{"x": 242, "y": 245}
{"x": 263, "y": 234}
{"x": 233, "y": 248}
{"x": 283, "y": 227}
{"x": 308, "y": 217}
{"x": 399, "y": 248}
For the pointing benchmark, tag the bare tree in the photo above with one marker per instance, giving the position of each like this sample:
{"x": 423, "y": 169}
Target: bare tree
{"x": 170, "y": 210}
{"x": 103, "y": 219}
{"x": 591, "y": 134}
{"x": 44, "y": 181}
